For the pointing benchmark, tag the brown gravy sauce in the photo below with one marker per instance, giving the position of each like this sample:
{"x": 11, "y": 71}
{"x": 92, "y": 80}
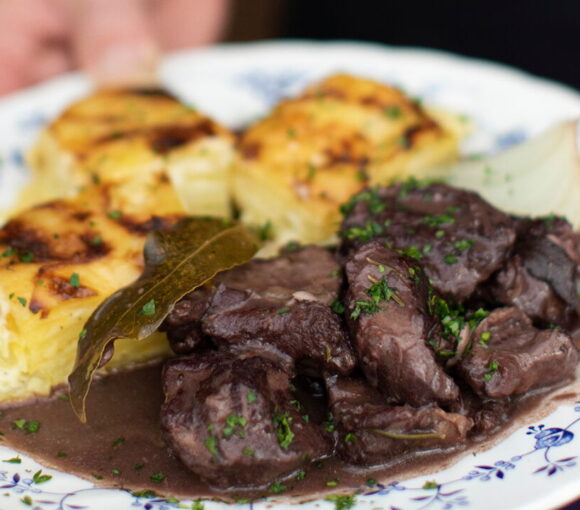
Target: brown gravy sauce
{"x": 121, "y": 446}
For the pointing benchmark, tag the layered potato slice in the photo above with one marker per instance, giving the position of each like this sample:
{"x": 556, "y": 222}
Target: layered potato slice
{"x": 133, "y": 141}
{"x": 58, "y": 262}
{"x": 297, "y": 165}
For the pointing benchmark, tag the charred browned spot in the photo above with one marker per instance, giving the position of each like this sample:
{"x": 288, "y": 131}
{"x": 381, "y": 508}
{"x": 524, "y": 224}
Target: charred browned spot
{"x": 149, "y": 92}
{"x": 372, "y": 101}
{"x": 251, "y": 150}
{"x": 413, "y": 133}
{"x": 163, "y": 140}
{"x": 326, "y": 92}
{"x": 81, "y": 216}
{"x": 153, "y": 223}
{"x": 163, "y": 178}
{"x": 54, "y": 290}
{"x": 344, "y": 154}
{"x": 37, "y": 245}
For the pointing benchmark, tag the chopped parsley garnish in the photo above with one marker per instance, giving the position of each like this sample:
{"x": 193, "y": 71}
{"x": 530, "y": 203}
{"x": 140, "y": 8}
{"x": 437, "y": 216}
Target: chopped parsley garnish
{"x": 114, "y": 215}
{"x": 427, "y": 248}
{"x": 350, "y": 438}
{"x": 337, "y": 307}
{"x": 266, "y": 231}
{"x": 330, "y": 424}
{"x": 378, "y": 292}
{"x": 282, "y": 311}
{"x": 118, "y": 442}
{"x": 211, "y": 444}
{"x": 22, "y": 301}
{"x": 116, "y": 471}
{"x": 251, "y": 396}
{"x": 332, "y": 483}
{"x": 436, "y": 220}
{"x": 364, "y": 234}
{"x": 342, "y": 502}
{"x": 75, "y": 280}
{"x": 157, "y": 477}
{"x": 450, "y": 259}
{"x": 432, "y": 484}
{"x": 97, "y": 240}
{"x": 311, "y": 172}
{"x": 463, "y": 244}
{"x": 404, "y": 141}
{"x": 148, "y": 308}
{"x": 439, "y": 234}
{"x": 26, "y": 257}
{"x": 371, "y": 482}
{"x": 301, "y": 475}
{"x": 284, "y": 430}
{"x": 64, "y": 398}
{"x": 393, "y": 111}
{"x": 235, "y": 425}
{"x": 30, "y": 427}
{"x": 484, "y": 338}
{"x": 248, "y": 451}
{"x": 197, "y": 505}
{"x": 413, "y": 252}
{"x": 39, "y": 478}
{"x": 13, "y": 460}
{"x": 370, "y": 196}
{"x": 83, "y": 333}
{"x": 277, "y": 488}
{"x": 61, "y": 454}
{"x": 291, "y": 133}
{"x": 492, "y": 368}
{"x": 138, "y": 467}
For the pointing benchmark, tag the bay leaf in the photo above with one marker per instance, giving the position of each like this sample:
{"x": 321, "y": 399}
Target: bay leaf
{"x": 176, "y": 262}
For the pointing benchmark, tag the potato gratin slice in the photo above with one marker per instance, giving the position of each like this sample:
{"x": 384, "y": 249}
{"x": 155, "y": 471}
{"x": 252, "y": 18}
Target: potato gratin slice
{"x": 58, "y": 261}
{"x": 134, "y": 142}
{"x": 297, "y": 165}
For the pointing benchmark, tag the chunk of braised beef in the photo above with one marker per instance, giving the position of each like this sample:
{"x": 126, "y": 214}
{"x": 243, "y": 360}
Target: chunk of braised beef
{"x": 509, "y": 356}
{"x": 541, "y": 277}
{"x": 301, "y": 327}
{"x": 307, "y": 275}
{"x": 514, "y": 285}
{"x": 387, "y": 311}
{"x": 183, "y": 324}
{"x": 372, "y": 432}
{"x": 231, "y": 418}
{"x": 459, "y": 239}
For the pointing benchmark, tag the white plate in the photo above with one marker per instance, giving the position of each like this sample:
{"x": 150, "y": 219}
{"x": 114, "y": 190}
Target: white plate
{"x": 534, "y": 468}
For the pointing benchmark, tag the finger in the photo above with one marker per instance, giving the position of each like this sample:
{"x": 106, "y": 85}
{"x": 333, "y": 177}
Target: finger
{"x": 26, "y": 26}
{"x": 51, "y": 61}
{"x": 186, "y": 23}
{"x": 113, "y": 42}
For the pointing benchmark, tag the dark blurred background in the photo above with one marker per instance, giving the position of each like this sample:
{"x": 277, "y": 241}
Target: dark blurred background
{"x": 542, "y": 37}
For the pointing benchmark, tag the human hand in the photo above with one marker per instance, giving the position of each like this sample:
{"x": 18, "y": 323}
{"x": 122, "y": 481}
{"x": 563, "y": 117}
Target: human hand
{"x": 116, "y": 41}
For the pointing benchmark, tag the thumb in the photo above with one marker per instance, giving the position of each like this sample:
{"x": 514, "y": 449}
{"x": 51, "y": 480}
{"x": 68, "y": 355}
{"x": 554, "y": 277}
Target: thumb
{"x": 113, "y": 42}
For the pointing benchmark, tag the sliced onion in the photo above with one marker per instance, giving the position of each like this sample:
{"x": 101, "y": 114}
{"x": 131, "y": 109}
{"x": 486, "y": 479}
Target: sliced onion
{"x": 537, "y": 178}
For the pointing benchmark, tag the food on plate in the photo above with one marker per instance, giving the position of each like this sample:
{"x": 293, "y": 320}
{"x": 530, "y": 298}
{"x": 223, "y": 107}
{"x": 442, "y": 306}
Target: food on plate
{"x": 311, "y": 153}
{"x": 145, "y": 146}
{"x": 429, "y": 320}
{"x": 58, "y": 261}
{"x": 409, "y": 358}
